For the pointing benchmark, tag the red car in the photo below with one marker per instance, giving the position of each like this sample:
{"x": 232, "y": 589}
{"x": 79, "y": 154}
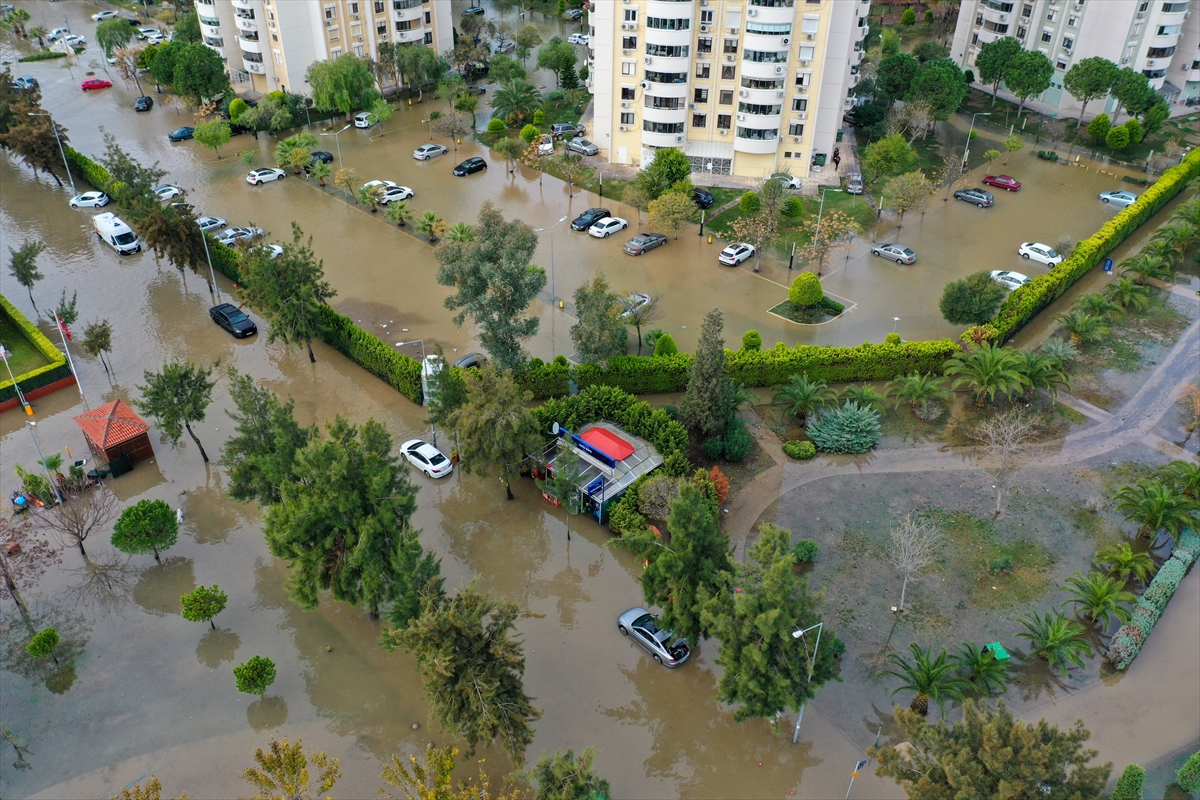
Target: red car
{"x": 1006, "y": 182}
{"x": 95, "y": 83}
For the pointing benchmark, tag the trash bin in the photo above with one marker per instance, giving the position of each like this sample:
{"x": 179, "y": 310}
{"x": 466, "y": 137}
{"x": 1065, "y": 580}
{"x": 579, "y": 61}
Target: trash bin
{"x": 818, "y": 159}
{"x": 839, "y": 136}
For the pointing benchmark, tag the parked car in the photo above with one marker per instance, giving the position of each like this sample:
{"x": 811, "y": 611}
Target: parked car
{"x": 143, "y": 103}
{"x": 639, "y": 244}
{"x": 854, "y": 183}
{"x": 233, "y": 319}
{"x": 211, "y": 223}
{"x": 322, "y": 156}
{"x": 471, "y": 165}
{"x": 427, "y": 458}
{"x": 113, "y": 231}
{"x": 573, "y": 14}
{"x": 789, "y": 181}
{"x": 107, "y": 13}
{"x": 663, "y": 646}
{"x": 589, "y": 218}
{"x": 428, "y": 151}
{"x": 1119, "y": 198}
{"x": 583, "y": 147}
{"x": 472, "y": 88}
{"x": 896, "y": 252}
{"x": 89, "y": 200}
{"x": 57, "y": 33}
{"x": 273, "y": 250}
{"x": 258, "y": 177}
{"x": 95, "y": 83}
{"x": 735, "y": 254}
{"x": 577, "y": 38}
{"x": 364, "y": 119}
{"x": 1037, "y": 251}
{"x": 167, "y": 192}
{"x": 229, "y": 236}
{"x": 25, "y": 82}
{"x": 1008, "y": 279}
{"x": 75, "y": 41}
{"x": 385, "y": 184}
{"x": 146, "y": 33}
{"x": 607, "y": 227}
{"x": 471, "y": 360}
{"x": 1006, "y": 182}
{"x": 703, "y": 198}
{"x": 472, "y": 11}
{"x": 570, "y": 129}
{"x": 635, "y": 302}
{"x": 179, "y": 134}
{"x": 396, "y": 193}
{"x": 976, "y": 196}
{"x": 546, "y": 145}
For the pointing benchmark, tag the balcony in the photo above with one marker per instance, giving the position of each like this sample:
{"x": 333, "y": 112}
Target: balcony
{"x": 211, "y": 22}
{"x": 250, "y": 46}
{"x": 408, "y": 14}
{"x": 761, "y": 97}
{"x": 244, "y": 4}
{"x": 666, "y": 89}
{"x": 248, "y": 36}
{"x": 651, "y": 139}
{"x": 770, "y": 15}
{"x": 668, "y": 38}
{"x": 416, "y": 34}
{"x": 747, "y": 140}
{"x": 245, "y": 24}
{"x": 763, "y": 70}
{"x": 669, "y": 8}
{"x": 257, "y": 69}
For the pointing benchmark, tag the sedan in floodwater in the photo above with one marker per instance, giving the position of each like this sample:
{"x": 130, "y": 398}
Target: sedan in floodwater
{"x": 663, "y": 646}
{"x": 89, "y": 200}
{"x": 211, "y": 223}
{"x": 1037, "y": 251}
{"x": 589, "y": 218}
{"x": 94, "y": 83}
{"x": 639, "y": 244}
{"x": 607, "y": 227}
{"x": 427, "y": 458}
{"x": 735, "y": 254}
{"x": 428, "y": 151}
{"x": 470, "y": 166}
{"x": 976, "y": 197}
{"x": 179, "y": 134}
{"x": 1119, "y": 198}
{"x": 896, "y": 252}
{"x": 1008, "y": 279}
{"x": 1006, "y": 182}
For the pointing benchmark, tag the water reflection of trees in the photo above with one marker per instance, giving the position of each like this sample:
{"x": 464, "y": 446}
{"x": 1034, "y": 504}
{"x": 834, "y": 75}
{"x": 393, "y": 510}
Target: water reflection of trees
{"x": 566, "y": 587}
{"x": 217, "y": 646}
{"x": 208, "y": 515}
{"x": 267, "y": 712}
{"x": 160, "y": 586}
{"x": 103, "y": 584}
{"x": 72, "y": 629}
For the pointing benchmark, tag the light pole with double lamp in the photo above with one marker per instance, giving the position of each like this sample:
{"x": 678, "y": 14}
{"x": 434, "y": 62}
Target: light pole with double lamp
{"x": 799, "y": 634}
{"x": 424, "y": 382}
{"x": 338, "y": 143}
{"x": 63, "y": 152}
{"x": 553, "y": 296}
{"x": 967, "y": 146}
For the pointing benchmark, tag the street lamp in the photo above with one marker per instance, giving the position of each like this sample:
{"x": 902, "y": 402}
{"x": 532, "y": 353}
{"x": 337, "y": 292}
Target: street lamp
{"x": 4, "y": 354}
{"x": 66, "y": 164}
{"x": 424, "y": 394}
{"x": 553, "y": 296}
{"x": 967, "y": 146}
{"x": 895, "y": 323}
{"x": 32, "y": 425}
{"x": 211, "y": 272}
{"x": 820, "y": 212}
{"x": 799, "y": 634}
{"x": 338, "y": 142}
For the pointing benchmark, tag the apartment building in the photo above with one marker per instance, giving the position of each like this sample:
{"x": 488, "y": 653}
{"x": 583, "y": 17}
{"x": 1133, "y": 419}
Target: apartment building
{"x": 268, "y": 44}
{"x": 1159, "y": 38}
{"x": 743, "y": 87}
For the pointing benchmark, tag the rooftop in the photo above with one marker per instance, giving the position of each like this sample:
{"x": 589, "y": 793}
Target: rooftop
{"x": 111, "y": 424}
{"x": 610, "y": 458}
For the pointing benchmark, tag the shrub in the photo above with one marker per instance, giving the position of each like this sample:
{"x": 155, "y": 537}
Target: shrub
{"x": 237, "y": 107}
{"x": 45, "y": 55}
{"x": 720, "y": 482}
{"x": 804, "y": 550}
{"x": 799, "y": 450}
{"x": 1144, "y": 617}
{"x": 555, "y": 95}
{"x": 1129, "y": 639}
{"x": 1125, "y": 646}
{"x": 1187, "y": 549}
{"x": 806, "y": 290}
{"x": 676, "y": 465}
{"x": 792, "y": 207}
{"x": 892, "y": 338}
{"x": 43, "y": 643}
{"x": 1134, "y": 129}
{"x": 849, "y": 429}
{"x": 751, "y": 340}
{"x": 1188, "y": 776}
{"x": 1117, "y": 138}
{"x": 255, "y": 676}
{"x": 703, "y": 481}
{"x": 665, "y": 345}
{"x": 1129, "y": 785}
{"x": 496, "y": 127}
{"x": 737, "y": 441}
{"x": 1047, "y": 155}
{"x": 529, "y": 133}
{"x": 539, "y": 117}
{"x": 714, "y": 447}
{"x": 750, "y": 203}
{"x": 909, "y": 17}
{"x": 1000, "y": 564}
{"x": 1098, "y": 128}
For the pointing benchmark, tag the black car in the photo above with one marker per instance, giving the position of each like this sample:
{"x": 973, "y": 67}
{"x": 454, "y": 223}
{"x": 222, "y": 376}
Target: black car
{"x": 324, "y": 156}
{"x": 471, "y": 360}
{"x": 589, "y": 218}
{"x": 979, "y": 197}
{"x": 473, "y": 11}
{"x": 231, "y": 318}
{"x": 639, "y": 244}
{"x": 473, "y": 164}
{"x": 179, "y": 134}
{"x": 703, "y": 198}
{"x": 473, "y": 89}
{"x": 143, "y": 103}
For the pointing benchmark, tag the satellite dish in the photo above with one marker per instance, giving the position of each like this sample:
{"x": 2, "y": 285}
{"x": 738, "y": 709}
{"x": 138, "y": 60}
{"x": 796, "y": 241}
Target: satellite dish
{"x": 554, "y": 429}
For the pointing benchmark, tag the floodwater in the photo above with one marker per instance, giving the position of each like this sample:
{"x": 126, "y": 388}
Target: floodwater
{"x": 153, "y": 693}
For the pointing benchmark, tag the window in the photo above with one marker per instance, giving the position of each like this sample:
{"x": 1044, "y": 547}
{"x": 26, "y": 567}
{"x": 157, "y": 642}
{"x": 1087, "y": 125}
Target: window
{"x": 974, "y": 38}
{"x": 1137, "y": 29}
{"x": 1168, "y": 30}
{"x": 979, "y": 19}
{"x": 359, "y": 50}
{"x": 379, "y": 6}
{"x": 428, "y": 18}
{"x": 704, "y": 45}
{"x": 699, "y": 120}
{"x": 662, "y": 127}
{"x": 214, "y": 41}
{"x": 666, "y": 77}
{"x": 700, "y": 96}
{"x": 668, "y": 51}
{"x": 703, "y": 70}
{"x": 998, "y": 5}
{"x": 796, "y": 129}
{"x": 1027, "y": 12}
{"x": 1154, "y": 73}
{"x": 1174, "y": 8}
{"x": 627, "y": 118}
{"x": 766, "y": 56}
{"x": 1021, "y": 31}
{"x": 804, "y": 78}
{"x": 761, "y": 83}
{"x": 806, "y": 52}
{"x": 407, "y": 25}
{"x": 726, "y": 97}
{"x": 668, "y": 23}
{"x": 629, "y": 68}
{"x": 354, "y": 8}
{"x": 760, "y": 110}
{"x": 730, "y": 46}
{"x": 1160, "y": 52}
{"x": 1047, "y": 35}
{"x": 771, "y": 3}
{"x": 629, "y": 43}
{"x": 428, "y": 37}
{"x": 769, "y": 29}
{"x": 278, "y": 56}
{"x": 799, "y": 104}
{"x": 1071, "y": 21}
{"x": 381, "y": 29}
{"x": 330, "y": 12}
{"x": 1050, "y": 15}
{"x": 706, "y": 17}
{"x": 663, "y": 102}
{"x": 333, "y": 32}
{"x": 758, "y": 134}
{"x": 631, "y": 15}
{"x": 1068, "y": 43}
{"x": 810, "y": 24}
{"x": 728, "y": 72}
{"x": 724, "y": 121}
{"x": 628, "y": 93}
{"x": 1061, "y": 64}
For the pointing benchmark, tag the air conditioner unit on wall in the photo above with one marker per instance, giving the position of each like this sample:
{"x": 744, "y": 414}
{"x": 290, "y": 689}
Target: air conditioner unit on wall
{"x": 645, "y": 84}
{"x": 624, "y": 105}
{"x": 704, "y": 29}
{"x": 741, "y": 117}
{"x": 786, "y": 40}
{"x": 624, "y": 128}
{"x": 729, "y": 57}
{"x": 743, "y": 93}
{"x": 804, "y": 63}
{"x": 625, "y": 52}
{"x": 795, "y": 138}
{"x": 751, "y": 12}
{"x": 802, "y": 89}
{"x": 723, "y": 131}
{"x": 647, "y": 59}
{"x": 679, "y": 137}
{"x": 779, "y": 70}
{"x": 802, "y": 114}
{"x": 810, "y": 36}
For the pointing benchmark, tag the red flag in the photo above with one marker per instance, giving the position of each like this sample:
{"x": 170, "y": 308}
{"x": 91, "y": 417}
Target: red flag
{"x": 64, "y": 328}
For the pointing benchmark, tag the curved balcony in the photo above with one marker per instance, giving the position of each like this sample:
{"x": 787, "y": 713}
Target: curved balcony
{"x": 250, "y": 45}
{"x": 758, "y": 121}
{"x": 764, "y": 70}
{"x": 254, "y": 66}
{"x": 250, "y": 4}
{"x": 769, "y": 14}
{"x": 663, "y": 139}
{"x": 767, "y": 42}
{"x": 667, "y": 64}
{"x": 665, "y": 89}
{"x": 762, "y": 97}
{"x": 407, "y": 13}
{"x": 651, "y": 114}
{"x": 411, "y": 35}
{"x": 247, "y": 24}
{"x": 760, "y": 146}
{"x": 668, "y": 38}
{"x": 209, "y": 22}
{"x": 669, "y": 8}
{"x": 220, "y": 48}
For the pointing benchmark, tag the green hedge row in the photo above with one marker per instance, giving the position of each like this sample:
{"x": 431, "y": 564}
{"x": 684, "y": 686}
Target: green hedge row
{"x": 596, "y": 403}
{"x": 1023, "y": 304}
{"x": 1128, "y": 641}
{"x": 56, "y": 370}
{"x": 89, "y": 170}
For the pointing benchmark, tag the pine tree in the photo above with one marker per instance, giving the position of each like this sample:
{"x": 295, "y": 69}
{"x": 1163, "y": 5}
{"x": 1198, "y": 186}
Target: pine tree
{"x": 259, "y": 458}
{"x": 495, "y": 428}
{"x": 203, "y": 603}
{"x": 148, "y": 526}
{"x": 563, "y": 776}
{"x": 706, "y": 403}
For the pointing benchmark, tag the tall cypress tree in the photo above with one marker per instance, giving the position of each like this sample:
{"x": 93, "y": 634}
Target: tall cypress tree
{"x": 706, "y": 405}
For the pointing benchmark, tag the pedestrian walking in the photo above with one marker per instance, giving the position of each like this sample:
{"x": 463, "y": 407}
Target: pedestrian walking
{"x": 837, "y": 158}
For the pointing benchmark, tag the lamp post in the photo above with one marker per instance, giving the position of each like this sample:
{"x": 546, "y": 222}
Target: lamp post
{"x": 338, "y": 142}
{"x": 66, "y": 164}
{"x": 967, "y": 146}
{"x": 53, "y": 485}
{"x": 212, "y": 274}
{"x": 424, "y": 394}
{"x": 817, "y": 232}
{"x": 20, "y": 395}
{"x": 553, "y": 296}
{"x": 799, "y": 634}
{"x": 895, "y": 323}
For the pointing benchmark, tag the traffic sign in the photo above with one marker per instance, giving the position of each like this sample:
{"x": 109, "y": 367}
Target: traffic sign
{"x": 1108, "y": 265}
{"x": 857, "y": 767}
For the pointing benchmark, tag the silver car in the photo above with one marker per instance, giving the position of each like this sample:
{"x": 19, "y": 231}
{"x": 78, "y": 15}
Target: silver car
{"x": 583, "y": 147}
{"x": 642, "y": 626}
{"x": 896, "y": 252}
{"x": 1119, "y": 198}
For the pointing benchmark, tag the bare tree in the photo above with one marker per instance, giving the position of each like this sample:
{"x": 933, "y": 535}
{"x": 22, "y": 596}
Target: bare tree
{"x": 918, "y": 119}
{"x": 952, "y": 171}
{"x": 102, "y": 584}
{"x": 644, "y": 314}
{"x": 453, "y": 125}
{"x": 913, "y": 547}
{"x": 654, "y": 500}
{"x": 80, "y": 514}
{"x": 1006, "y": 440}
{"x": 23, "y": 559}
{"x": 125, "y": 61}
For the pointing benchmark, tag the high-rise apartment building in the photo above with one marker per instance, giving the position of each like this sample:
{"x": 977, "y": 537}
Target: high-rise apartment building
{"x": 742, "y": 87}
{"x": 270, "y": 43}
{"x": 1159, "y": 38}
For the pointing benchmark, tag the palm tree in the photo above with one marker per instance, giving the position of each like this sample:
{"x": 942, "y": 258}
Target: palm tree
{"x": 1178, "y": 235}
{"x": 1084, "y": 328}
{"x": 1155, "y": 507}
{"x": 299, "y": 157}
{"x": 371, "y": 196}
{"x": 1183, "y": 476}
{"x": 1127, "y": 293}
{"x": 1189, "y": 212}
{"x": 39, "y": 32}
{"x": 399, "y": 212}
{"x": 932, "y": 679}
{"x": 320, "y": 171}
{"x": 1144, "y": 267}
{"x": 918, "y": 389}
{"x": 17, "y": 19}
{"x": 1160, "y": 250}
{"x": 515, "y": 100}
{"x": 432, "y": 225}
{"x": 1041, "y": 371}
{"x": 980, "y": 666}
{"x": 1099, "y": 597}
{"x": 1061, "y": 349}
{"x": 988, "y": 370}
{"x": 1098, "y": 305}
{"x": 803, "y": 396}
{"x": 1123, "y": 563}
{"x": 283, "y": 152}
{"x": 863, "y": 394}
{"x": 1056, "y": 639}
{"x": 460, "y": 232}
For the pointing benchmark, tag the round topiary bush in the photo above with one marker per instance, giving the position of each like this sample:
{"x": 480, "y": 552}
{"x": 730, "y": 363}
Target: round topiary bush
{"x": 1188, "y": 775}
{"x": 892, "y": 338}
{"x": 665, "y": 346}
{"x": 539, "y": 117}
{"x": 751, "y": 340}
{"x": 804, "y": 550}
{"x": 850, "y": 429}
{"x": 799, "y": 450}
{"x": 1117, "y": 138}
{"x": 496, "y": 126}
{"x": 750, "y": 203}
{"x": 792, "y": 207}
{"x": 529, "y": 133}
{"x": 806, "y": 290}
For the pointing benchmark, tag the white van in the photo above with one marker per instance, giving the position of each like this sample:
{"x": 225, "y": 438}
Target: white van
{"x": 113, "y": 231}
{"x": 363, "y": 119}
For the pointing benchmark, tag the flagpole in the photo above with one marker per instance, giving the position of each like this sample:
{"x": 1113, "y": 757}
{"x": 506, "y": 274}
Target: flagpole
{"x": 62, "y": 332}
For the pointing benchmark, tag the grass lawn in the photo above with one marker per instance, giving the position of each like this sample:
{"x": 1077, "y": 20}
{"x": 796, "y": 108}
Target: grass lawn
{"x": 25, "y": 357}
{"x": 790, "y": 229}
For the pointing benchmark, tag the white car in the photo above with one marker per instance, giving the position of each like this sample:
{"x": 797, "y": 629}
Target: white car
{"x": 1119, "y": 198}
{"x": 260, "y": 176}
{"x": 577, "y": 38}
{"x": 211, "y": 223}
{"x": 427, "y": 458}
{"x": 89, "y": 200}
{"x": 788, "y": 181}
{"x": 75, "y": 41}
{"x": 735, "y": 254}
{"x": 384, "y": 184}
{"x": 230, "y": 235}
{"x": 103, "y": 15}
{"x": 55, "y": 34}
{"x": 167, "y": 191}
{"x": 607, "y": 227}
{"x": 1008, "y": 279}
{"x": 396, "y": 193}
{"x": 273, "y": 250}
{"x": 896, "y": 252}
{"x": 155, "y": 37}
{"x": 428, "y": 151}
{"x": 363, "y": 119}
{"x": 1037, "y": 251}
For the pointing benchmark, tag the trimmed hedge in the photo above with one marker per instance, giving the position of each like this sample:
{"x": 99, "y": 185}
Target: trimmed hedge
{"x": 45, "y": 55}
{"x": 56, "y": 370}
{"x": 1128, "y": 641}
{"x": 91, "y": 172}
{"x": 1023, "y": 304}
{"x": 1129, "y": 785}
{"x": 799, "y": 450}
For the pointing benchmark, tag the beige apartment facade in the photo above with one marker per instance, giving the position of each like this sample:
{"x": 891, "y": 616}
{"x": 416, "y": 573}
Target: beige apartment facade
{"x": 269, "y": 44}
{"x": 742, "y": 87}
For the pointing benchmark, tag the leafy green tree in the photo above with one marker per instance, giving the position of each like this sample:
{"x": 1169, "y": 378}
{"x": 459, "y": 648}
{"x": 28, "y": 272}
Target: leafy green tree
{"x": 214, "y": 134}
{"x": 600, "y": 333}
{"x": 344, "y": 517}
{"x": 568, "y": 78}
{"x": 1088, "y": 80}
{"x": 344, "y": 84}
{"x": 1188, "y": 776}
{"x": 750, "y": 203}
{"x": 97, "y": 340}
{"x": 803, "y": 396}
{"x": 761, "y": 672}
{"x": 918, "y": 389}
{"x": 673, "y": 211}
{"x": 890, "y": 155}
{"x": 565, "y": 776}
{"x": 527, "y": 39}
{"x": 1155, "y": 507}
{"x": 1028, "y": 74}
{"x": 255, "y": 676}
{"x": 259, "y": 457}
{"x": 990, "y": 754}
{"x": 908, "y": 18}
{"x": 972, "y": 300}
{"x": 988, "y": 370}
{"x": 494, "y": 427}
{"x": 1056, "y": 640}
{"x": 1121, "y": 562}
{"x": 896, "y": 73}
{"x": 1133, "y": 92}
{"x": 980, "y": 667}
{"x": 993, "y": 59}
{"x": 503, "y": 69}
{"x": 890, "y": 42}
{"x": 23, "y": 266}
{"x": 705, "y": 407}
{"x": 515, "y": 101}
{"x": 496, "y": 127}
{"x": 113, "y": 34}
{"x": 1084, "y": 328}
{"x": 669, "y": 167}
{"x": 1099, "y": 126}
{"x": 187, "y": 29}
{"x": 203, "y": 603}
{"x": 930, "y": 51}
{"x": 940, "y": 83}
{"x": 131, "y": 181}
{"x": 990, "y": 155}
{"x": 930, "y": 677}
{"x": 1154, "y": 118}
{"x": 1117, "y": 138}
{"x": 555, "y": 56}
{"x": 199, "y": 73}
{"x": 473, "y": 669}
{"x": 43, "y": 644}
{"x": 283, "y": 773}
{"x": 176, "y": 397}
{"x": 148, "y": 526}
{"x": 1099, "y": 598}
{"x": 495, "y": 283}
{"x": 908, "y": 192}
{"x": 1012, "y": 144}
